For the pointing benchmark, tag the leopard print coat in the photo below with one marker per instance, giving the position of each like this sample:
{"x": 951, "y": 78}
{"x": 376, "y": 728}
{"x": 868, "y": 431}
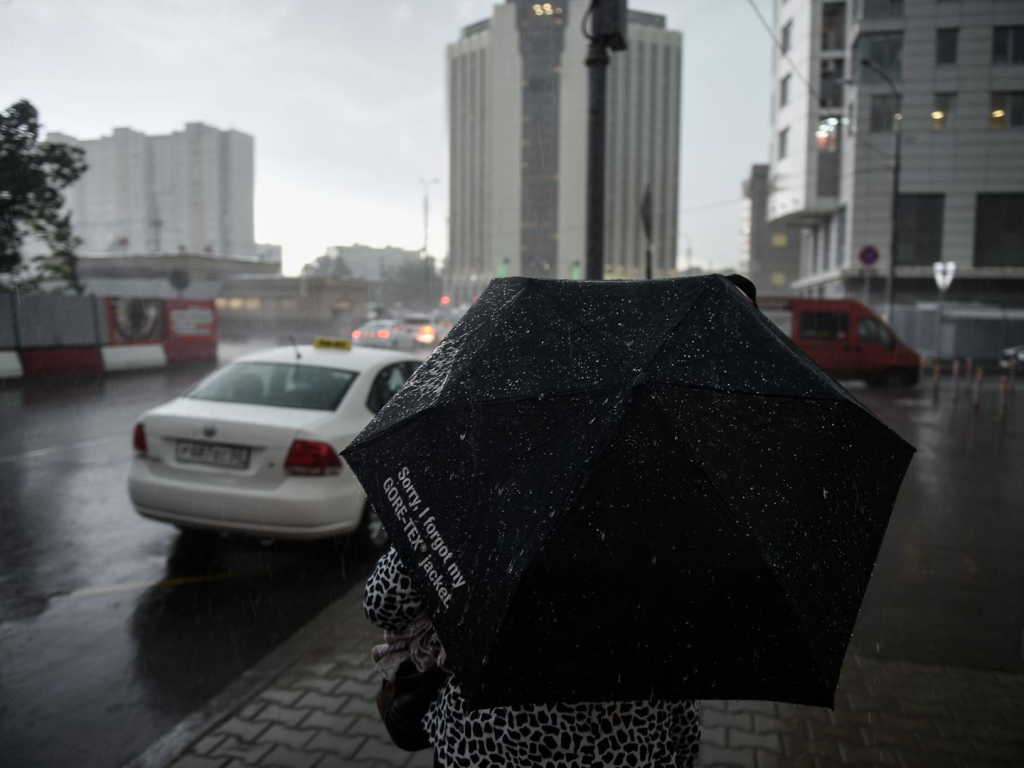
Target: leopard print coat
{"x": 636, "y": 733}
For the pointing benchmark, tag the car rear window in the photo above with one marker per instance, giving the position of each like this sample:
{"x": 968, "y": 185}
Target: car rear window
{"x": 276, "y": 384}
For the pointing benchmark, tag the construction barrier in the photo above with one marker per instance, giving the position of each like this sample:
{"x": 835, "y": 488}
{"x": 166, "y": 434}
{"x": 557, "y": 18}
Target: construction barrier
{"x": 42, "y": 335}
{"x": 134, "y": 357}
{"x": 10, "y": 366}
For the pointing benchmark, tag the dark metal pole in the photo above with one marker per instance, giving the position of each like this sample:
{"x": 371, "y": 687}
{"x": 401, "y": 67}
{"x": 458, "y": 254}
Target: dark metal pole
{"x": 597, "y": 76}
{"x": 648, "y": 256}
{"x": 894, "y": 241}
{"x": 890, "y": 278}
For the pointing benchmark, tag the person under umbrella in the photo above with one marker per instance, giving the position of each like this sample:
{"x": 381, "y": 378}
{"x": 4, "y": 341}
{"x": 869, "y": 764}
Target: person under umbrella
{"x": 631, "y": 491}
{"x": 658, "y": 733}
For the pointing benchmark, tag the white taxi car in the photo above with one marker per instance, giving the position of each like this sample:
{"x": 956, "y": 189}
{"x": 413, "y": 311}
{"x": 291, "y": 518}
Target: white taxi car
{"x": 253, "y": 448}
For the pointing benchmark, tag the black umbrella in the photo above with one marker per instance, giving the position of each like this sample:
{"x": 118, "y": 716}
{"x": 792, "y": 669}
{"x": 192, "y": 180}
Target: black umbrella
{"x": 611, "y": 491}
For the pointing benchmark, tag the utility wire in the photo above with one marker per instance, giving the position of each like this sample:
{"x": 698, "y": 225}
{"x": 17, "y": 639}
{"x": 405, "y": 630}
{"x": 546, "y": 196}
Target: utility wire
{"x": 800, "y": 75}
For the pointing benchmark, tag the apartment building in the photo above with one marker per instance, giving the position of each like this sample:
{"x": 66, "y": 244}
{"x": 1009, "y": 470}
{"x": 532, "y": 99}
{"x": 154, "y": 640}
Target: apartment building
{"x": 943, "y": 80}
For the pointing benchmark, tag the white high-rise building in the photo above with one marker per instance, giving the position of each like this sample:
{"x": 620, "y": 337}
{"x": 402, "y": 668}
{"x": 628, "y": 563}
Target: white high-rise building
{"x": 517, "y": 120}
{"x": 191, "y": 191}
{"x": 957, "y": 98}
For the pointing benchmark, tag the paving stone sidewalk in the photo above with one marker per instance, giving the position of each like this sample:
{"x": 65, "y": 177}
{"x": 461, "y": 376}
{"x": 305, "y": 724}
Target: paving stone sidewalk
{"x": 319, "y": 711}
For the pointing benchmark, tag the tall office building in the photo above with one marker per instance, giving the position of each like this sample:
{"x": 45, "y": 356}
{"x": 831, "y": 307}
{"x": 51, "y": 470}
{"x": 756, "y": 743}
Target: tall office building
{"x": 769, "y": 253}
{"x": 189, "y": 191}
{"x": 957, "y": 96}
{"x": 517, "y": 116}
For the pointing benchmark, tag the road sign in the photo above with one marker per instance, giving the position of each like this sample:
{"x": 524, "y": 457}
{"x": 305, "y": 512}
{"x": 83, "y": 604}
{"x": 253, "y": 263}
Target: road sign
{"x": 868, "y": 255}
{"x": 944, "y": 272}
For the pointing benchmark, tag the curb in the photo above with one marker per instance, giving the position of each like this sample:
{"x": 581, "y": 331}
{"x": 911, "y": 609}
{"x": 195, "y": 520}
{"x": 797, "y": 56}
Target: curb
{"x": 193, "y": 727}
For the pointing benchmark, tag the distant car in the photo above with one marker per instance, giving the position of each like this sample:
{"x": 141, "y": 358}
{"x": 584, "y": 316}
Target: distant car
{"x": 253, "y": 448}
{"x": 377, "y": 333}
{"x": 1012, "y": 354}
{"x": 418, "y": 332}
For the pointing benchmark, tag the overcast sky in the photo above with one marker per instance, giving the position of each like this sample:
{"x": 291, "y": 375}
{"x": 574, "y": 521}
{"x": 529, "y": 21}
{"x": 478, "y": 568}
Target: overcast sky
{"x": 346, "y": 101}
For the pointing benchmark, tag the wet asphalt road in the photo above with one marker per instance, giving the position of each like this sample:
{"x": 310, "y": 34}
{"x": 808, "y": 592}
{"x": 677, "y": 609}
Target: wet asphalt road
{"x": 948, "y": 587}
{"x": 114, "y": 628}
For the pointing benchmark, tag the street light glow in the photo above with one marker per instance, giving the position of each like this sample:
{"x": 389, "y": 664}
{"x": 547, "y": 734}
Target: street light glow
{"x": 998, "y": 113}
{"x": 938, "y": 114}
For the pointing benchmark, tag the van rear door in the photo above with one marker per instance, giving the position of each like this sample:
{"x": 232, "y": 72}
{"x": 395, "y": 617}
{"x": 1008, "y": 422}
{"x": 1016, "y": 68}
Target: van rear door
{"x": 822, "y": 330}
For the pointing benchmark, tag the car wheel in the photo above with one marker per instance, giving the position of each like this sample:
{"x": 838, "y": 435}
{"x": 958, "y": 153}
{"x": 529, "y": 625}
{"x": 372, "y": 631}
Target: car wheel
{"x": 898, "y": 377}
{"x": 198, "y": 534}
{"x": 195, "y": 545}
{"x": 371, "y": 534}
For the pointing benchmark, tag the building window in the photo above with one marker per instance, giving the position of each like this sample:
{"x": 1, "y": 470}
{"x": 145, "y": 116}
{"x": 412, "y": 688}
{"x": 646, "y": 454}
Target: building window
{"x": 999, "y": 231}
{"x": 943, "y": 111}
{"x": 784, "y": 90}
{"x": 1007, "y": 110}
{"x": 883, "y": 9}
{"x": 827, "y": 138}
{"x": 885, "y": 52}
{"x": 919, "y": 230}
{"x": 946, "y": 41}
{"x": 787, "y": 37}
{"x": 1008, "y": 45}
{"x": 831, "y": 83}
{"x": 783, "y": 142}
{"x": 833, "y": 26}
{"x": 884, "y": 108}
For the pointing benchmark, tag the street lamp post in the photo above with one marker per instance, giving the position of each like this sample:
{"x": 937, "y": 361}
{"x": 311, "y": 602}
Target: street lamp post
{"x": 426, "y": 209}
{"x": 607, "y": 30}
{"x": 689, "y": 251}
{"x": 890, "y": 277}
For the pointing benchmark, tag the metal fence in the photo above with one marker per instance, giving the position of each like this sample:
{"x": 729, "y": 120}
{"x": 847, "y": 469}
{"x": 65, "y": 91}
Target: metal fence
{"x": 964, "y": 330}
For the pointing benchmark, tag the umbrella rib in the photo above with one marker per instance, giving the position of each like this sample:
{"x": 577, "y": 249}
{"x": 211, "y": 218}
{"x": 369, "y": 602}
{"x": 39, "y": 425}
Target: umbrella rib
{"x": 717, "y": 390}
{"x": 670, "y": 331}
{"x": 804, "y": 629}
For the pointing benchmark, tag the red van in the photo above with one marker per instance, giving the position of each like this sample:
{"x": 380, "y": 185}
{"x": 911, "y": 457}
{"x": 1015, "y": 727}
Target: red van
{"x": 845, "y": 338}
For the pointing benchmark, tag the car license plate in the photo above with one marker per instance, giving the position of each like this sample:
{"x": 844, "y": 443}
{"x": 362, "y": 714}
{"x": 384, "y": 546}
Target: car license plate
{"x": 230, "y": 456}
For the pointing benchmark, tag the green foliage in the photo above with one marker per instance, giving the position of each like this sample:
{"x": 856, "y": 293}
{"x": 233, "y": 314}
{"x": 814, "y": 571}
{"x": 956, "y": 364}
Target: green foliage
{"x": 33, "y": 177}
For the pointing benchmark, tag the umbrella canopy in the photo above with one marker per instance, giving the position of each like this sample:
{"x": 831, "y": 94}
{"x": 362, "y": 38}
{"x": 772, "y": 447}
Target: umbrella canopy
{"x": 614, "y": 491}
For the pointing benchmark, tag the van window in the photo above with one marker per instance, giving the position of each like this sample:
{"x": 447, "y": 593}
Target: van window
{"x": 824, "y": 325}
{"x": 873, "y": 332}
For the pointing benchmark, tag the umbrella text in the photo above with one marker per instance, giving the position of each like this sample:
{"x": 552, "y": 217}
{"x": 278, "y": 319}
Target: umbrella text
{"x": 405, "y": 506}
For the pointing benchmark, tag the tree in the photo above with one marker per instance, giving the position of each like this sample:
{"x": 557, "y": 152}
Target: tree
{"x": 415, "y": 284}
{"x": 33, "y": 177}
{"x": 327, "y": 266}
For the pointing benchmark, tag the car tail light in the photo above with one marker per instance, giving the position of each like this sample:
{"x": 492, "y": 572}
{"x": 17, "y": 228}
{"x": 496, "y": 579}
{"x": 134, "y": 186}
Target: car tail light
{"x": 357, "y": 334}
{"x": 308, "y": 457}
{"x": 383, "y": 334}
{"x": 139, "y": 441}
{"x": 426, "y": 334}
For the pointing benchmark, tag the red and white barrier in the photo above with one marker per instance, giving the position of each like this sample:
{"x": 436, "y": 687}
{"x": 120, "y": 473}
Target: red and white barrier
{"x": 10, "y": 366}
{"x": 41, "y": 362}
{"x": 132, "y": 357}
